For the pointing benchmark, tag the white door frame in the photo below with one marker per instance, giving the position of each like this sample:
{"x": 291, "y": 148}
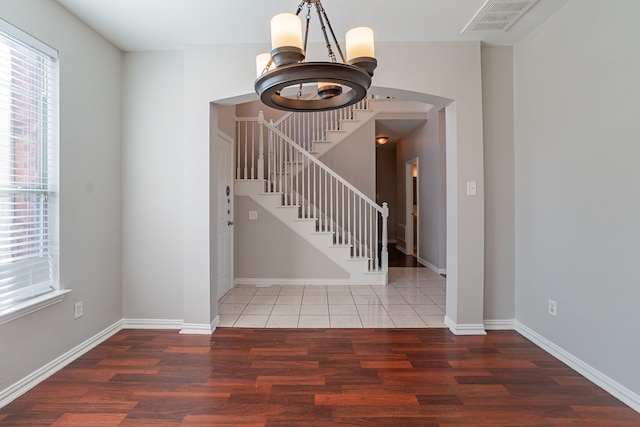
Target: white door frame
{"x": 223, "y": 137}
{"x": 408, "y": 208}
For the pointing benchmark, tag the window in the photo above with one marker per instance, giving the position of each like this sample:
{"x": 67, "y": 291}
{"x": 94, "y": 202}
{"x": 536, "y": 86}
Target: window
{"x": 28, "y": 168}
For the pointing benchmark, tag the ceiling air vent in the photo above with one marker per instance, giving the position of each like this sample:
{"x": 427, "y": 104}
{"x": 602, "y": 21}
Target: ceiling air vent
{"x": 498, "y": 15}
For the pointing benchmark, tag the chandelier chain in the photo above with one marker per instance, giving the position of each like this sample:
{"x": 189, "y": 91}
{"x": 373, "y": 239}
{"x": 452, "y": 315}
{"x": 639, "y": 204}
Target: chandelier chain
{"x": 306, "y": 30}
{"x": 333, "y": 35}
{"x": 323, "y": 27}
{"x": 306, "y": 38}
{"x": 266, "y": 67}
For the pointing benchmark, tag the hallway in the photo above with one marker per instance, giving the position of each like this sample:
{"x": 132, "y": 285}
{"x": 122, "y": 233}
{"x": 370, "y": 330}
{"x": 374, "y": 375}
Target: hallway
{"x": 414, "y": 298}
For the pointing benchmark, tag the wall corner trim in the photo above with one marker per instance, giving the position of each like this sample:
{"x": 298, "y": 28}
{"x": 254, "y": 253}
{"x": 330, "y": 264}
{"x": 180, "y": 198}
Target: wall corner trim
{"x": 611, "y": 386}
{"x": 464, "y": 329}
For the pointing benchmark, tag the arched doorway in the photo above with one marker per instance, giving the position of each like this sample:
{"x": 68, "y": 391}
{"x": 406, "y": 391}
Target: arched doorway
{"x": 463, "y": 302}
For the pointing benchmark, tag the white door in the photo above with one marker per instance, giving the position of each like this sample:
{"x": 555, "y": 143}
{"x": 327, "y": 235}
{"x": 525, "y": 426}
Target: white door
{"x": 224, "y": 214}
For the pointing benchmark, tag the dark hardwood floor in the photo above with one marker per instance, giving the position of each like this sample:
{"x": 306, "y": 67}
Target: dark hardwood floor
{"x": 399, "y": 259}
{"x": 317, "y": 377}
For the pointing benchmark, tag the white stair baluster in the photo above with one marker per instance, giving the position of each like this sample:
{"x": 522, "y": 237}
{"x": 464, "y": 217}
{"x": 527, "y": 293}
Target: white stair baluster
{"x": 349, "y": 229}
{"x": 245, "y": 150}
{"x": 281, "y": 164}
{"x": 238, "y": 151}
{"x": 314, "y": 191}
{"x": 299, "y": 176}
{"x": 254, "y": 147}
{"x": 332, "y": 213}
{"x": 261, "y": 145}
{"x": 385, "y": 254}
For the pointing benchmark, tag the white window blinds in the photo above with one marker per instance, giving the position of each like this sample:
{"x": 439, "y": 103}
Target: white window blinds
{"x": 28, "y": 137}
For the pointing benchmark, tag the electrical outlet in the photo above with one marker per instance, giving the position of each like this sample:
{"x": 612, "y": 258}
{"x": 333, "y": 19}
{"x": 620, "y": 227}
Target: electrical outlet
{"x": 253, "y": 214}
{"x": 553, "y": 308}
{"x": 78, "y": 310}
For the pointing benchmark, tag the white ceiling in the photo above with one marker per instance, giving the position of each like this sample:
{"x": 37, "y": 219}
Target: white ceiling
{"x": 140, "y": 25}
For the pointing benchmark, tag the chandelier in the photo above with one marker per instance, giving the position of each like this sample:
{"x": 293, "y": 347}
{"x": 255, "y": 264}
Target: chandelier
{"x": 283, "y": 73}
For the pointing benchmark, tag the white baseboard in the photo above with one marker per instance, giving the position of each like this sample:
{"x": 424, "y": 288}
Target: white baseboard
{"x": 185, "y": 328}
{"x": 265, "y": 282}
{"x": 151, "y": 324}
{"x": 200, "y": 328}
{"x": 500, "y": 324}
{"x": 27, "y": 383}
{"x": 464, "y": 329}
{"x": 402, "y": 249}
{"x": 592, "y": 374}
{"x": 16, "y": 390}
{"x": 431, "y": 266}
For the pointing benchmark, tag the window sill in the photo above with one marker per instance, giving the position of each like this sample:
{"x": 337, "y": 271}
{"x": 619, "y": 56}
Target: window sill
{"x": 32, "y": 305}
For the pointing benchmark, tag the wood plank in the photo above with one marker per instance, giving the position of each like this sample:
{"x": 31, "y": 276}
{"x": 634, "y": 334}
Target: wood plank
{"x": 317, "y": 377}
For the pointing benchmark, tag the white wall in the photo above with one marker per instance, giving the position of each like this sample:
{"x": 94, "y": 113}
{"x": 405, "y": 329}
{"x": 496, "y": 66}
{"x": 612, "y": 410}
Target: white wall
{"x": 90, "y": 191}
{"x": 354, "y": 159}
{"x": 499, "y": 220}
{"x": 576, "y": 171}
{"x": 267, "y": 248}
{"x": 152, "y": 185}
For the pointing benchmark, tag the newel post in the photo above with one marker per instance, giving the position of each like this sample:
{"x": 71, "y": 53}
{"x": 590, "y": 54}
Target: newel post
{"x": 261, "y": 145}
{"x": 384, "y": 255}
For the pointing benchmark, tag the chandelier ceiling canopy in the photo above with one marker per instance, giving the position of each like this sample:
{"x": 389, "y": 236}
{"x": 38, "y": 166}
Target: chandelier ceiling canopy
{"x": 283, "y": 73}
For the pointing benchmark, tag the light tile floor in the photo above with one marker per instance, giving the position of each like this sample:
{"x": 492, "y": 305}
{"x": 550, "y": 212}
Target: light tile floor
{"x": 414, "y": 298}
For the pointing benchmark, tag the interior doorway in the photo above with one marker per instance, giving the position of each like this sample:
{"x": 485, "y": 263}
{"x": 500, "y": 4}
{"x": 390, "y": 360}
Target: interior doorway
{"x": 473, "y": 284}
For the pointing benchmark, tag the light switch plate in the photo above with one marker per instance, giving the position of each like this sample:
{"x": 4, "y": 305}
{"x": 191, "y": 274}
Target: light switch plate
{"x": 253, "y": 214}
{"x": 471, "y": 188}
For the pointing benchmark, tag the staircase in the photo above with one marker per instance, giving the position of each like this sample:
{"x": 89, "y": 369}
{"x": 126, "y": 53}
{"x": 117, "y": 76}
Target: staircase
{"x": 277, "y": 166}
{"x": 318, "y": 132}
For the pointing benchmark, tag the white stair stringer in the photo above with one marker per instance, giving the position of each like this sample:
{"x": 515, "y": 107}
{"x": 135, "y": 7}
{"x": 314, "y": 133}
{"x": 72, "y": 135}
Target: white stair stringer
{"x": 357, "y": 268}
